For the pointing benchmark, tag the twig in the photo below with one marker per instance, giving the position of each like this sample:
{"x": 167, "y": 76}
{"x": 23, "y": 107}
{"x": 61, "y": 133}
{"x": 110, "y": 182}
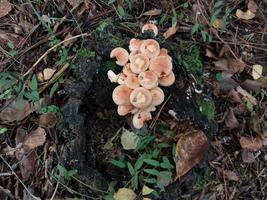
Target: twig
{"x": 52, "y": 48}
{"x": 25, "y": 187}
{"x": 7, "y": 192}
{"x": 54, "y": 193}
{"x": 158, "y": 114}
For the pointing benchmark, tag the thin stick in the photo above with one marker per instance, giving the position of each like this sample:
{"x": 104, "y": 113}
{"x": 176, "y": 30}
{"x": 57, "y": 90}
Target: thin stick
{"x": 52, "y": 48}
{"x": 54, "y": 193}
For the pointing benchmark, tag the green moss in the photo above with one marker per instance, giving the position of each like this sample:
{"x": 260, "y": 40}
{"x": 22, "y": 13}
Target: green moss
{"x": 191, "y": 61}
{"x": 111, "y": 65}
{"x": 206, "y": 107}
{"x": 86, "y": 53}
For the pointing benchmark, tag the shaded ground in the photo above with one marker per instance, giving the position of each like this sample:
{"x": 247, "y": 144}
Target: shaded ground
{"x": 203, "y": 97}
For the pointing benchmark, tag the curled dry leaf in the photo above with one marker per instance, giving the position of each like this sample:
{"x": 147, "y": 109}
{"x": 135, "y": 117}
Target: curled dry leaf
{"x": 16, "y": 111}
{"x": 251, "y": 143}
{"x": 256, "y": 71}
{"x": 47, "y": 120}
{"x": 244, "y": 15}
{"x": 231, "y": 175}
{"x": 171, "y": 31}
{"x": 251, "y": 85}
{"x": 35, "y": 138}
{"x": 125, "y": 193}
{"x": 234, "y": 96}
{"x": 190, "y": 150}
{"x": 247, "y": 156}
{"x": 153, "y": 12}
{"x": 230, "y": 120}
{"x": 5, "y": 7}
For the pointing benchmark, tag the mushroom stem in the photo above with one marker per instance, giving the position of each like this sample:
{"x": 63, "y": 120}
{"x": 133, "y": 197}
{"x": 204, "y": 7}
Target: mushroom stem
{"x": 112, "y": 76}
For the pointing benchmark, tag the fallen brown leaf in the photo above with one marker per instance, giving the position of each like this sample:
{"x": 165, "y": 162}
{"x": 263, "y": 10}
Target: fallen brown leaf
{"x": 246, "y": 95}
{"x": 35, "y": 138}
{"x": 153, "y": 12}
{"x": 251, "y": 143}
{"x": 16, "y": 111}
{"x": 230, "y": 175}
{"x": 234, "y": 96}
{"x": 227, "y": 84}
{"x": 252, "y": 6}
{"x": 171, "y": 31}
{"x": 247, "y": 156}
{"x": 209, "y": 53}
{"x": 48, "y": 73}
{"x": 190, "y": 150}
{"x": 230, "y": 120}
{"x": 5, "y": 7}
{"x": 251, "y": 85}
{"x": 47, "y": 120}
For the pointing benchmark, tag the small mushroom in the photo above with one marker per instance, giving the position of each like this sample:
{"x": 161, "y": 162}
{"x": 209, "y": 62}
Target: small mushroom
{"x": 112, "y": 76}
{"x": 163, "y": 52}
{"x": 148, "y": 79}
{"x": 127, "y": 70}
{"x": 135, "y": 44}
{"x": 121, "y": 95}
{"x": 141, "y": 97}
{"x": 139, "y": 63}
{"x": 140, "y": 118}
{"x": 150, "y": 27}
{"x": 157, "y": 96}
{"x": 121, "y": 79}
{"x": 131, "y": 81}
{"x": 167, "y": 80}
{"x": 121, "y": 55}
{"x": 161, "y": 65}
{"x": 124, "y": 109}
{"x": 150, "y": 48}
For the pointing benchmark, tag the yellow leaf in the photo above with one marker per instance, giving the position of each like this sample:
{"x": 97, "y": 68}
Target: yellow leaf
{"x": 172, "y": 30}
{"x": 217, "y": 23}
{"x": 153, "y": 12}
{"x": 256, "y": 71}
{"x": 146, "y": 190}
{"x": 48, "y": 73}
{"x": 125, "y": 193}
{"x": 244, "y": 15}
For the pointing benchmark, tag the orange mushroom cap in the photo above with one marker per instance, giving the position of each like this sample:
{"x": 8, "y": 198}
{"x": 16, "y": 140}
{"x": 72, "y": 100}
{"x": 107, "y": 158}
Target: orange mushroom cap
{"x": 148, "y": 79}
{"x": 135, "y": 44}
{"x": 157, "y": 96}
{"x": 161, "y": 65}
{"x": 121, "y": 79}
{"x": 163, "y": 52}
{"x": 140, "y": 117}
{"x": 121, "y": 95}
{"x": 139, "y": 63}
{"x": 150, "y": 27}
{"x": 124, "y": 109}
{"x": 141, "y": 97}
{"x": 150, "y": 48}
{"x": 121, "y": 55}
{"x": 167, "y": 80}
{"x": 131, "y": 81}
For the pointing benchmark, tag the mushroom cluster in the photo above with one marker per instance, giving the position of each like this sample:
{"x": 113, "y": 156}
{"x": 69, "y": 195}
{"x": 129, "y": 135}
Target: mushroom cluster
{"x": 144, "y": 69}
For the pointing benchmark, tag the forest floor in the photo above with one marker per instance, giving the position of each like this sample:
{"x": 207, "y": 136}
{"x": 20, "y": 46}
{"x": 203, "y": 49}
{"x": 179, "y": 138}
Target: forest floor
{"x": 61, "y": 136}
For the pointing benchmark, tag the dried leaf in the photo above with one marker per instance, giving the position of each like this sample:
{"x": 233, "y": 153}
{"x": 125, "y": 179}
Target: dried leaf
{"x": 247, "y": 156}
{"x": 227, "y": 84}
{"x": 190, "y": 150}
{"x": 146, "y": 190}
{"x": 221, "y": 64}
{"x": 48, "y": 73}
{"x": 153, "y": 12}
{"x": 27, "y": 165}
{"x": 75, "y": 3}
{"x": 209, "y": 53}
{"x": 66, "y": 43}
{"x": 235, "y": 65}
{"x": 172, "y": 30}
{"x": 125, "y": 193}
{"x": 251, "y": 143}
{"x": 230, "y": 120}
{"x": 129, "y": 140}
{"x": 244, "y": 15}
{"x": 256, "y": 71}
{"x": 252, "y": 6}
{"x": 48, "y": 120}
{"x": 251, "y": 85}
{"x": 35, "y": 138}
{"x": 246, "y": 95}
{"x": 16, "y": 111}
{"x": 231, "y": 175}
{"x": 5, "y": 7}
{"x": 234, "y": 96}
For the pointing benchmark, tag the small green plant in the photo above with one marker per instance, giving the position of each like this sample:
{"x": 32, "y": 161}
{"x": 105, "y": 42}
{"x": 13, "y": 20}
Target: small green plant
{"x": 152, "y": 167}
{"x": 12, "y": 51}
{"x": 204, "y": 179}
{"x": 206, "y": 107}
{"x": 3, "y": 130}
